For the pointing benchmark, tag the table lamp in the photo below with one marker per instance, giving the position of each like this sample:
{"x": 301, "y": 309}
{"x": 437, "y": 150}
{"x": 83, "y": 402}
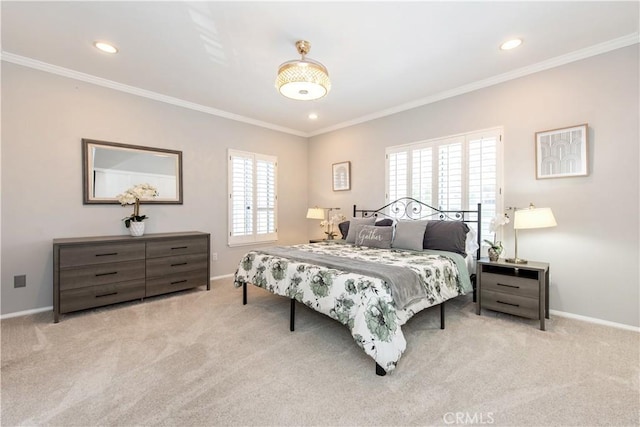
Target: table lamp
{"x": 530, "y": 217}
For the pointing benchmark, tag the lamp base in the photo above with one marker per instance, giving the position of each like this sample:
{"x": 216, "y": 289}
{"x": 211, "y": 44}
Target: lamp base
{"x": 516, "y": 260}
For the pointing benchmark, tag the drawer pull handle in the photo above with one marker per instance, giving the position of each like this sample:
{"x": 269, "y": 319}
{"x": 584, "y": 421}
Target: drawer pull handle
{"x": 508, "y": 303}
{"x": 109, "y": 254}
{"x": 180, "y": 263}
{"x": 106, "y": 274}
{"x": 509, "y": 286}
{"x": 179, "y": 281}
{"x": 180, "y": 247}
{"x": 106, "y": 295}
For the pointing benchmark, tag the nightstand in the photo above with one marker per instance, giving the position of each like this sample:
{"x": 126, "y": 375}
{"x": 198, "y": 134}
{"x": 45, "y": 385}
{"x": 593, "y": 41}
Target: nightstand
{"x": 518, "y": 289}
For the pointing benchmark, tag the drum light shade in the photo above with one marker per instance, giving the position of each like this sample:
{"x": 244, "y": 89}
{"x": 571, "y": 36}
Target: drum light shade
{"x": 303, "y": 79}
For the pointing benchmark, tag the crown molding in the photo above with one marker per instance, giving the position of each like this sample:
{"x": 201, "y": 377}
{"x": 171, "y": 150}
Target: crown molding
{"x": 66, "y": 72}
{"x": 578, "y": 55}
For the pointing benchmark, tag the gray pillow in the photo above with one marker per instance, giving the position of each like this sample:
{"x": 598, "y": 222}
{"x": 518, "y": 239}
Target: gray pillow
{"x": 446, "y": 236}
{"x": 351, "y": 237}
{"x": 409, "y": 235}
{"x": 374, "y": 236}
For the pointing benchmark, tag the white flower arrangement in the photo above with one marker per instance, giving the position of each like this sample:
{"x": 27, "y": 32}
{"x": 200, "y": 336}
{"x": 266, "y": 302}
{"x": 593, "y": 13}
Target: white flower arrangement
{"x": 132, "y": 197}
{"x": 496, "y": 224}
{"x": 330, "y": 223}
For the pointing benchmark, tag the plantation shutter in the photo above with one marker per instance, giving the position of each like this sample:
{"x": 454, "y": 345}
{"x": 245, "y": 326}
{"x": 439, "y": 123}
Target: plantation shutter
{"x": 454, "y": 173}
{"x": 252, "y": 198}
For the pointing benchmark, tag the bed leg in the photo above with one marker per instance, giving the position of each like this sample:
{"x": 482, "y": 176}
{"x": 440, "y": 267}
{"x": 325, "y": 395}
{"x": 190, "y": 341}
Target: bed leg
{"x": 380, "y": 371}
{"x": 442, "y": 315}
{"x": 473, "y": 285}
{"x": 244, "y": 294}
{"x": 292, "y": 315}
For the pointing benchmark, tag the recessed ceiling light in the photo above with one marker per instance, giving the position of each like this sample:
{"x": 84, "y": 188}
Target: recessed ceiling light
{"x": 313, "y": 116}
{"x": 105, "y": 47}
{"x": 511, "y": 44}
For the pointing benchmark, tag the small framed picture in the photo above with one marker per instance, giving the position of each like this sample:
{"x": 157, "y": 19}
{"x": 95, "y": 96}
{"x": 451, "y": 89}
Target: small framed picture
{"x": 342, "y": 176}
{"x": 562, "y": 152}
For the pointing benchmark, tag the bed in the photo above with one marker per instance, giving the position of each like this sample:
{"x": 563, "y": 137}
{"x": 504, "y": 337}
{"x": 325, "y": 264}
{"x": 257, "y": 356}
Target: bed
{"x": 392, "y": 263}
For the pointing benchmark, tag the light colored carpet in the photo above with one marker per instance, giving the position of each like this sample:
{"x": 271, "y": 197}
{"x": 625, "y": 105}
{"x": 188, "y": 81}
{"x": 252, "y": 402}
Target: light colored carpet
{"x": 201, "y": 358}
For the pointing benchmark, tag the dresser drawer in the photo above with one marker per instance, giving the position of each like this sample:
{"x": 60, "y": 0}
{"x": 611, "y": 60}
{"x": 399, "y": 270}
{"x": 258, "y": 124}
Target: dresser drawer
{"x": 100, "y": 254}
{"x": 508, "y": 303}
{"x": 177, "y": 282}
{"x": 96, "y": 296}
{"x": 157, "y": 267}
{"x": 184, "y": 246}
{"x": 101, "y": 274}
{"x": 510, "y": 285}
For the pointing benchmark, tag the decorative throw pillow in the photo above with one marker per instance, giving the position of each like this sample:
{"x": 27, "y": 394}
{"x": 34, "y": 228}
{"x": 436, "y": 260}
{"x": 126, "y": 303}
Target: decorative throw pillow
{"x": 344, "y": 226}
{"x": 344, "y": 229}
{"x": 446, "y": 236}
{"x": 351, "y": 236}
{"x": 409, "y": 235}
{"x": 374, "y": 236}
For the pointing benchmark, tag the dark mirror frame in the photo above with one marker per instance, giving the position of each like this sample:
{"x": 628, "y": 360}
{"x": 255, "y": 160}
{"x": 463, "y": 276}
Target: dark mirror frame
{"x": 88, "y": 199}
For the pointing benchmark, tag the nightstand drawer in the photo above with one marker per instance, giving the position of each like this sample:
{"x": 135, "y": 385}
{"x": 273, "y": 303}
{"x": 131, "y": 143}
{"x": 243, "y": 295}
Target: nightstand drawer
{"x": 512, "y": 304}
{"x": 510, "y": 285}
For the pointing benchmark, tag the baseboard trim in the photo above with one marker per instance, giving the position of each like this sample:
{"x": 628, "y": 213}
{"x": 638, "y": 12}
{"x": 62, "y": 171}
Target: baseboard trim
{"x": 26, "y": 312}
{"x": 50, "y": 308}
{"x": 226, "y": 276}
{"x": 594, "y": 320}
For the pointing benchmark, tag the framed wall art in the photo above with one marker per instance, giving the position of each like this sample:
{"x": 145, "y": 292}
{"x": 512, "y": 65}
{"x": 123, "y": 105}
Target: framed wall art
{"x": 562, "y": 152}
{"x": 341, "y": 176}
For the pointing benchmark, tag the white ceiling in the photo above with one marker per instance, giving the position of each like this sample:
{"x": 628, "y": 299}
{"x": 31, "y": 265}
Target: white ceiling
{"x": 382, "y": 57}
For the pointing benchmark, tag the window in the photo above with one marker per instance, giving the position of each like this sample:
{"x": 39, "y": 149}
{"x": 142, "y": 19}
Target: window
{"x": 252, "y": 198}
{"x": 450, "y": 173}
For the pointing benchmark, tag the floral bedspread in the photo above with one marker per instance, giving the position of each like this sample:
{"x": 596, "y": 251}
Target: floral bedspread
{"x": 364, "y": 304}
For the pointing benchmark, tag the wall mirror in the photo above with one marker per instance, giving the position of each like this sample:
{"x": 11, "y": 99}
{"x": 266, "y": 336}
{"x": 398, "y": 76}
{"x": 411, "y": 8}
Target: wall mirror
{"x": 110, "y": 168}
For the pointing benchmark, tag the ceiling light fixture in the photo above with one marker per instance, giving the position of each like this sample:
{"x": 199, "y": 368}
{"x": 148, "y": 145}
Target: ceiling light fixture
{"x": 105, "y": 47}
{"x": 313, "y": 116}
{"x": 303, "y": 79}
{"x": 511, "y": 44}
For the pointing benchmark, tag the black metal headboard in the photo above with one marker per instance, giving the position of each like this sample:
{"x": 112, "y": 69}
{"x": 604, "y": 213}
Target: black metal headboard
{"x": 412, "y": 209}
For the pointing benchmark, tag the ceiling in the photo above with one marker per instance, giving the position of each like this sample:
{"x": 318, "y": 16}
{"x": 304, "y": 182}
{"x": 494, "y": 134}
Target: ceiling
{"x": 382, "y": 57}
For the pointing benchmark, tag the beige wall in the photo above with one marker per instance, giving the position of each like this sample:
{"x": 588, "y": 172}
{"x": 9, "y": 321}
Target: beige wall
{"x": 45, "y": 116}
{"x": 594, "y": 250}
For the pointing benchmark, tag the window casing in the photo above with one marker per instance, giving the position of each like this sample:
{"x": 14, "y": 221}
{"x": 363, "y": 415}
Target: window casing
{"x": 456, "y": 172}
{"x": 253, "y": 208}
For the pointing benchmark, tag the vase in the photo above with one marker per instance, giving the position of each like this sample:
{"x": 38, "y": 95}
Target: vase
{"x": 136, "y": 228}
{"x": 494, "y": 254}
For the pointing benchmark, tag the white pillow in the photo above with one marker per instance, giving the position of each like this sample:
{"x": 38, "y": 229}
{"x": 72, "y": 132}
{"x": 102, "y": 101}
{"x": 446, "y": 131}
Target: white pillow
{"x": 471, "y": 243}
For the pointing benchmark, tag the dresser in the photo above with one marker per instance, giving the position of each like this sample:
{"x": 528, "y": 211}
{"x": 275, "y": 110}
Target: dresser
{"x": 518, "y": 289}
{"x": 92, "y": 272}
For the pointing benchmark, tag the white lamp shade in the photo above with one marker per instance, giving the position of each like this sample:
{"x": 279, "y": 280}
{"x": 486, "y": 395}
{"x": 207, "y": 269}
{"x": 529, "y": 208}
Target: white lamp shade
{"x": 534, "y": 218}
{"x": 315, "y": 213}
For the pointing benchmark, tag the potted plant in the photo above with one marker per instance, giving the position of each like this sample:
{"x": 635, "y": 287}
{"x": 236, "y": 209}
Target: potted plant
{"x": 495, "y": 247}
{"x": 329, "y": 223}
{"x": 132, "y": 196}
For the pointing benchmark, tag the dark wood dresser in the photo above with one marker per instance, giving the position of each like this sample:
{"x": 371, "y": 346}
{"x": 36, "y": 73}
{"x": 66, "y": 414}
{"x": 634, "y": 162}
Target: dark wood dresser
{"x": 91, "y": 272}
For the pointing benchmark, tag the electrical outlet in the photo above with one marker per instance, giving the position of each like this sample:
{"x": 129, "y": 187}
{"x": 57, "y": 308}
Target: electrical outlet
{"x": 214, "y": 256}
{"x": 20, "y": 281}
